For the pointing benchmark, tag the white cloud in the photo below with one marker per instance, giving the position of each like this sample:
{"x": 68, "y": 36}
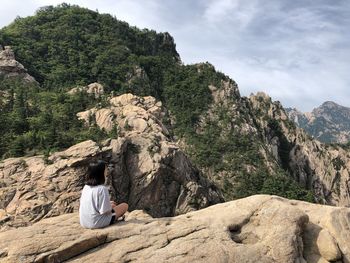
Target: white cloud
{"x": 237, "y": 12}
{"x": 218, "y": 9}
{"x": 11, "y": 9}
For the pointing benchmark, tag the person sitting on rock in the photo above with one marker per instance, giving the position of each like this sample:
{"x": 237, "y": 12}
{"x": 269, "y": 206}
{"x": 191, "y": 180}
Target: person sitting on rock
{"x": 96, "y": 210}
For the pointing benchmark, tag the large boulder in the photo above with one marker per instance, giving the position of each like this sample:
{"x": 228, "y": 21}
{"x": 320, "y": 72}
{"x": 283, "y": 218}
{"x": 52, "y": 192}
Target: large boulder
{"x": 254, "y": 229}
{"x": 146, "y": 169}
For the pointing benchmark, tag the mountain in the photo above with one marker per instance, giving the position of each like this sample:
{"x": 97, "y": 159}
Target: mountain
{"x": 321, "y": 167}
{"x": 329, "y": 123}
{"x": 242, "y": 145}
{"x": 177, "y": 138}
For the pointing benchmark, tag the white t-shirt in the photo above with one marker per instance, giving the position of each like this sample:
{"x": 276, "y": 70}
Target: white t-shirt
{"x": 95, "y": 207}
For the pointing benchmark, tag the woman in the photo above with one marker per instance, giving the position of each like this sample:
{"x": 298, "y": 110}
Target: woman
{"x": 96, "y": 210}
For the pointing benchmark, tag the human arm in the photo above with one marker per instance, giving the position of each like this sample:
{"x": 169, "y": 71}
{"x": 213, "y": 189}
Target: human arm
{"x": 105, "y": 205}
{"x": 113, "y": 204}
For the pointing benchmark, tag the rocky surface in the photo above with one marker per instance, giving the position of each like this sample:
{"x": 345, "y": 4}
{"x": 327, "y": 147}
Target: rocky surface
{"x": 322, "y": 168}
{"x": 329, "y": 122}
{"x": 146, "y": 169}
{"x": 9, "y": 67}
{"x": 254, "y": 229}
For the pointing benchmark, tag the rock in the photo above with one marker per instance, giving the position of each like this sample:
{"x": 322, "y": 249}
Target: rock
{"x": 95, "y": 89}
{"x": 327, "y": 234}
{"x": 138, "y": 124}
{"x": 254, "y": 229}
{"x": 320, "y": 245}
{"x": 148, "y": 170}
{"x": 124, "y": 100}
{"x": 228, "y": 89}
{"x": 328, "y": 246}
{"x": 104, "y": 119}
{"x": 10, "y": 68}
{"x": 86, "y": 116}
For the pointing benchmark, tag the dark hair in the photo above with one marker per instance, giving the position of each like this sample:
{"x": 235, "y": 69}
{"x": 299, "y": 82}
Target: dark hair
{"x": 96, "y": 173}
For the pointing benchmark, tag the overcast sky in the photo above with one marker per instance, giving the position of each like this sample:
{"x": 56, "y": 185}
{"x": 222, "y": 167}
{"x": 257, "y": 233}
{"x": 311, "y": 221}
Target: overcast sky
{"x": 296, "y": 51}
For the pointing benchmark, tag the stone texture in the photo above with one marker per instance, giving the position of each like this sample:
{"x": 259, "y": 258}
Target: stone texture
{"x": 9, "y": 67}
{"x": 254, "y": 229}
{"x": 328, "y": 246}
{"x": 147, "y": 169}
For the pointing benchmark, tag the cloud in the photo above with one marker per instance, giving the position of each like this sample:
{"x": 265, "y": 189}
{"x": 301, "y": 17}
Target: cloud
{"x": 296, "y": 51}
{"x": 237, "y": 12}
{"x": 11, "y": 9}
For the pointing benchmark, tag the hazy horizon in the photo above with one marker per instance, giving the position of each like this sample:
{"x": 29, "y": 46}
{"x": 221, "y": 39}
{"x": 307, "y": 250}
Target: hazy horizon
{"x": 297, "y": 52}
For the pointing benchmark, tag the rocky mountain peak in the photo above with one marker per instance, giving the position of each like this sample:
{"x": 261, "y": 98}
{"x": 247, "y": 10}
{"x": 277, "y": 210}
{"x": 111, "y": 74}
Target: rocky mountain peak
{"x": 329, "y": 104}
{"x": 329, "y": 122}
{"x": 333, "y": 111}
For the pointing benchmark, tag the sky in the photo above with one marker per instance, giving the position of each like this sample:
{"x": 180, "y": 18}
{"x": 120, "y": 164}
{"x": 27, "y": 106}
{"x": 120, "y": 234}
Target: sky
{"x": 296, "y": 51}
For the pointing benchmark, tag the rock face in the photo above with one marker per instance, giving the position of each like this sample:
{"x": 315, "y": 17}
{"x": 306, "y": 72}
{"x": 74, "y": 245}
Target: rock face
{"x": 323, "y": 168}
{"x": 254, "y": 229}
{"x": 328, "y": 123}
{"x": 147, "y": 169}
{"x": 9, "y": 67}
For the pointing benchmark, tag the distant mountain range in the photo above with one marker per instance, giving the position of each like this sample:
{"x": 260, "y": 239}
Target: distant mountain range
{"x": 329, "y": 123}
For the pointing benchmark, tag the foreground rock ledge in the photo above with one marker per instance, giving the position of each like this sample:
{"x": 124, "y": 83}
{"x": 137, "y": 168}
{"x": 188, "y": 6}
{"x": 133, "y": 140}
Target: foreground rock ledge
{"x": 255, "y": 229}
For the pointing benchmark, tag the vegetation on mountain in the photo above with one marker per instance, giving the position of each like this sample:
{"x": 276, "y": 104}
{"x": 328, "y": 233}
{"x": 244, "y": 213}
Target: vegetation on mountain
{"x": 35, "y": 121}
{"x": 68, "y": 45}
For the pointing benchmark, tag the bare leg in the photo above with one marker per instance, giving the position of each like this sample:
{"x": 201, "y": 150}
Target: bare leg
{"x": 120, "y": 209}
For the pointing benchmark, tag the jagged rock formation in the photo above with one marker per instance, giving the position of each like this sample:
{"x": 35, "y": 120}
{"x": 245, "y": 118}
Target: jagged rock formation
{"x": 322, "y": 168}
{"x": 9, "y": 67}
{"x": 229, "y": 145}
{"x": 95, "y": 89}
{"x": 147, "y": 169}
{"x": 254, "y": 229}
{"x": 328, "y": 123}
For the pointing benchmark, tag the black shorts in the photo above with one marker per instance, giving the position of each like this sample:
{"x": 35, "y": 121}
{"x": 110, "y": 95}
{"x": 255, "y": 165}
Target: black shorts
{"x": 113, "y": 218}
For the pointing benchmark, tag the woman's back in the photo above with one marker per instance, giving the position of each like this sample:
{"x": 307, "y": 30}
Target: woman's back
{"x": 95, "y": 207}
